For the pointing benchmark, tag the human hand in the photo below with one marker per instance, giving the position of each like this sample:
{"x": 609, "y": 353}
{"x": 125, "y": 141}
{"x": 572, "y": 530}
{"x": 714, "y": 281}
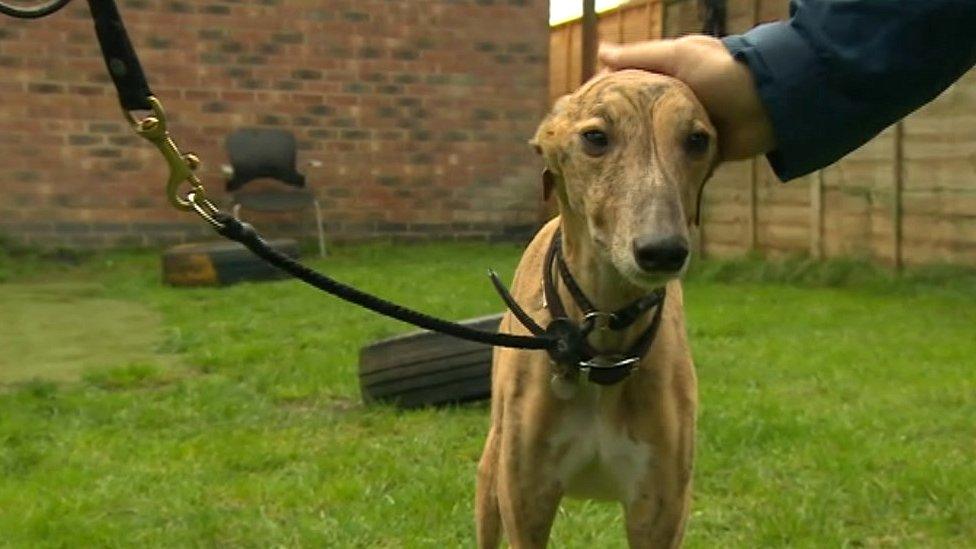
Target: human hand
{"x": 724, "y": 86}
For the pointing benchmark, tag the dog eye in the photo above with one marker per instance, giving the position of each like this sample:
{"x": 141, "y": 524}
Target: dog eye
{"x": 595, "y": 142}
{"x": 697, "y": 142}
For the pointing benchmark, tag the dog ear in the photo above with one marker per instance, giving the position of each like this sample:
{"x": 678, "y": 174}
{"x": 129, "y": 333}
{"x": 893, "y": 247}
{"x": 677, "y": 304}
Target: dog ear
{"x": 545, "y": 131}
{"x": 545, "y": 127}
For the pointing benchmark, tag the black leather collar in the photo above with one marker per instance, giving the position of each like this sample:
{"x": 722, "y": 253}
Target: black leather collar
{"x": 603, "y": 369}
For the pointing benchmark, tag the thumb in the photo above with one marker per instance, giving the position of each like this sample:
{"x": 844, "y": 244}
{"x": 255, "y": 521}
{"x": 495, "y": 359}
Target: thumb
{"x": 653, "y": 55}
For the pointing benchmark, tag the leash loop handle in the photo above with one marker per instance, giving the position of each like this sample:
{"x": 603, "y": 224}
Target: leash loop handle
{"x": 244, "y": 233}
{"x": 119, "y": 56}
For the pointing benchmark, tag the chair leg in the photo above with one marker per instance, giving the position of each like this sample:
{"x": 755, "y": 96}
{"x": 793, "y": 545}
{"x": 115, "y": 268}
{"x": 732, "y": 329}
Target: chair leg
{"x": 318, "y": 224}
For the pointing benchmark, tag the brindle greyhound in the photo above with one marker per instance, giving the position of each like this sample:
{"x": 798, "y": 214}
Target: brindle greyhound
{"x": 627, "y": 156}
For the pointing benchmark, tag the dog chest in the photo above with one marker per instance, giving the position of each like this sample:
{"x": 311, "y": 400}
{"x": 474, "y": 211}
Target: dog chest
{"x": 595, "y": 458}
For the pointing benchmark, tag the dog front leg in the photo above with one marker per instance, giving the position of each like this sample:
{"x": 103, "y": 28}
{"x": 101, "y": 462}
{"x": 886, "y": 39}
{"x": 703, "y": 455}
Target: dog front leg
{"x": 487, "y": 516}
{"x": 657, "y": 521}
{"x": 528, "y": 495}
{"x": 656, "y": 517}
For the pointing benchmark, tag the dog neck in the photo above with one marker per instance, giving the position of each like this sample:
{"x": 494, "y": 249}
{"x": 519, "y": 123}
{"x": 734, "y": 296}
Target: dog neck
{"x": 600, "y": 281}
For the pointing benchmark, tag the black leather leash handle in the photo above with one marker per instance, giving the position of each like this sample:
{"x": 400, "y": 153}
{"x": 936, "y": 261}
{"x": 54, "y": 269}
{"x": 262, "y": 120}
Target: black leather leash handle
{"x": 120, "y": 57}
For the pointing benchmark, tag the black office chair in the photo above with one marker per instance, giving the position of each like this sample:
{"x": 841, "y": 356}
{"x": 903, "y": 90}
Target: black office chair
{"x": 266, "y": 153}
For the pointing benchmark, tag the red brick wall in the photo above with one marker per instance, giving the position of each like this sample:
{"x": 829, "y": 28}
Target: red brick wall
{"x": 418, "y": 109}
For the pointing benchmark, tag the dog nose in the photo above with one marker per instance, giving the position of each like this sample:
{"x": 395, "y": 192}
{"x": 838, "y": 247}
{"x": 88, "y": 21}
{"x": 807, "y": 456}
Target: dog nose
{"x": 660, "y": 254}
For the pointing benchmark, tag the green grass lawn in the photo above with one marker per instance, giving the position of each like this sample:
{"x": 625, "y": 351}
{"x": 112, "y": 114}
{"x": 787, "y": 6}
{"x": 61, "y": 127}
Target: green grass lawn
{"x": 838, "y": 408}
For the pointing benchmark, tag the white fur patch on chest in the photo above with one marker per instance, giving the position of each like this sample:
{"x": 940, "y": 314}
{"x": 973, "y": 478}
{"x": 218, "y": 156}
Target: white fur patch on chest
{"x": 596, "y": 459}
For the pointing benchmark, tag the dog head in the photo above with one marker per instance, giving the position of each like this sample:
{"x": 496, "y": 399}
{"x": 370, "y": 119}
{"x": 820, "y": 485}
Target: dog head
{"x": 627, "y": 155}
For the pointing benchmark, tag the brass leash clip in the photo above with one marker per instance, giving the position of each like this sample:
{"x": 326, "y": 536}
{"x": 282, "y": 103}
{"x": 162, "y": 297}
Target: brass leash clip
{"x": 181, "y": 165}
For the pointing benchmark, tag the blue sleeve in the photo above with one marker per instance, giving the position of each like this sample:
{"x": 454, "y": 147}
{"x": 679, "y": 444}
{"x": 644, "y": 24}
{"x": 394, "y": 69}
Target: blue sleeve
{"x": 838, "y": 72}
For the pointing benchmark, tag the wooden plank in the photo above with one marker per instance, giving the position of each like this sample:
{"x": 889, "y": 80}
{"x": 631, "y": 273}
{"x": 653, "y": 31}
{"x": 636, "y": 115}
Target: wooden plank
{"x": 680, "y": 18}
{"x": 655, "y": 19}
{"x": 725, "y": 251}
{"x": 574, "y": 57}
{"x": 741, "y": 15}
{"x": 721, "y": 213}
{"x": 784, "y": 237}
{"x": 785, "y": 215}
{"x": 558, "y": 69}
{"x": 620, "y": 26}
{"x": 940, "y": 202}
{"x": 608, "y": 26}
{"x": 634, "y": 23}
{"x": 772, "y": 10}
{"x": 947, "y": 175}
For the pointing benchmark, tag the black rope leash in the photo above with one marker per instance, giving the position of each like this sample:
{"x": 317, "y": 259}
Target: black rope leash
{"x": 234, "y": 229}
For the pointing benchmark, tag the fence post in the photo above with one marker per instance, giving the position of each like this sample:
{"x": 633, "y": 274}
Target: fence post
{"x": 590, "y": 38}
{"x": 754, "y": 172}
{"x": 898, "y": 188}
{"x": 816, "y": 215}
{"x": 569, "y": 60}
{"x": 754, "y": 204}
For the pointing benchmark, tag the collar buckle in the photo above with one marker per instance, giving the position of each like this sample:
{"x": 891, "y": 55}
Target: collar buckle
{"x": 608, "y": 369}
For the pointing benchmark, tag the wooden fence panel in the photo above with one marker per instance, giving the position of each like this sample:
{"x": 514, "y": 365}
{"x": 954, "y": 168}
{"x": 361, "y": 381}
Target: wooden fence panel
{"x": 940, "y": 178}
{"x": 575, "y": 57}
{"x": 681, "y": 18}
{"x": 608, "y": 26}
{"x": 742, "y": 15}
{"x": 641, "y": 22}
{"x": 782, "y": 213}
{"x": 772, "y": 10}
{"x": 726, "y": 210}
{"x": 858, "y": 201}
{"x": 559, "y": 80}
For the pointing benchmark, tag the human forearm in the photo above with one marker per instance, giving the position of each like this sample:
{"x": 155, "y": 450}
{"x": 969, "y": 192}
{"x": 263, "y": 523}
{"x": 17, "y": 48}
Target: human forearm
{"x": 840, "y": 71}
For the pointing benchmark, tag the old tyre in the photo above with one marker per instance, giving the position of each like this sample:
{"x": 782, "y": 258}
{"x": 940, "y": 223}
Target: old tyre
{"x": 427, "y": 369}
{"x": 220, "y": 263}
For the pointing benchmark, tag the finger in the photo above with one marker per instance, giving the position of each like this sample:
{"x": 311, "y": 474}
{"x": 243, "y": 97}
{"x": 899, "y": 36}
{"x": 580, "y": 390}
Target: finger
{"x": 653, "y": 55}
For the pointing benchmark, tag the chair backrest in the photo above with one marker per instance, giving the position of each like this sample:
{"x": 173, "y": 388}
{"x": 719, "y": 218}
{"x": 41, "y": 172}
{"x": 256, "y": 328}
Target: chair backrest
{"x": 257, "y": 153}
